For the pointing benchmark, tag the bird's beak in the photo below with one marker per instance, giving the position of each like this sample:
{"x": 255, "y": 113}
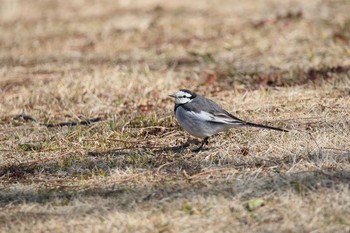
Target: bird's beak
{"x": 172, "y": 95}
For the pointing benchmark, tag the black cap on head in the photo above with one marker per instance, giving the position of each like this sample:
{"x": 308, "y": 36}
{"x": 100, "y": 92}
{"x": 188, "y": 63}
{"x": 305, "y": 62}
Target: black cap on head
{"x": 189, "y": 92}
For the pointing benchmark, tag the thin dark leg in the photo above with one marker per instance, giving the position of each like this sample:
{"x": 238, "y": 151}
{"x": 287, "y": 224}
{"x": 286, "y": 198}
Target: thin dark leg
{"x": 205, "y": 141}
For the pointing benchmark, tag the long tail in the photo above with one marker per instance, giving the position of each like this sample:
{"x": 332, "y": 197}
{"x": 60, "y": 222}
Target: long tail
{"x": 264, "y": 126}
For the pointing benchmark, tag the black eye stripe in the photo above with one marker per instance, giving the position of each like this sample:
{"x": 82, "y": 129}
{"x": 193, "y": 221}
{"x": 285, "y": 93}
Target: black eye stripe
{"x": 185, "y": 96}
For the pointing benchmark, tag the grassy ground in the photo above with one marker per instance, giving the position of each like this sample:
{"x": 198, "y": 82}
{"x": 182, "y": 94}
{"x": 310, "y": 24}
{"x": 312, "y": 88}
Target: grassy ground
{"x": 282, "y": 63}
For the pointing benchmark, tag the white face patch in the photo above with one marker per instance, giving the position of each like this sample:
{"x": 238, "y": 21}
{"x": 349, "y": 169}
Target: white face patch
{"x": 182, "y": 97}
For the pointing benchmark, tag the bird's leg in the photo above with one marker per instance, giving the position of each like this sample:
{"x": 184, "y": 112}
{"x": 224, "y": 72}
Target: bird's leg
{"x": 205, "y": 141}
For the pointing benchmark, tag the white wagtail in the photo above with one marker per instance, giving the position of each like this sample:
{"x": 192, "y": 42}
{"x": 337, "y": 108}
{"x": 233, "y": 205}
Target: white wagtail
{"x": 202, "y": 117}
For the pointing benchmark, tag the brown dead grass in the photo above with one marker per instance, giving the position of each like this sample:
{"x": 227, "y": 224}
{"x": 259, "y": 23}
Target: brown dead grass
{"x": 280, "y": 63}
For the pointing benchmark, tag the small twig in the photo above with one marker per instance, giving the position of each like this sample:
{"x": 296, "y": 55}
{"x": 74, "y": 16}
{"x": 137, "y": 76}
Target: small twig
{"x": 73, "y": 123}
{"x": 153, "y": 127}
{"x": 25, "y": 117}
{"x": 186, "y": 175}
{"x": 162, "y": 166}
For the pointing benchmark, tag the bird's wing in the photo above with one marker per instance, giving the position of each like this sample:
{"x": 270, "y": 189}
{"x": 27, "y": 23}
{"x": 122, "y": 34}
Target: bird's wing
{"x": 221, "y": 118}
{"x": 213, "y": 112}
{"x": 229, "y": 115}
{"x": 207, "y": 110}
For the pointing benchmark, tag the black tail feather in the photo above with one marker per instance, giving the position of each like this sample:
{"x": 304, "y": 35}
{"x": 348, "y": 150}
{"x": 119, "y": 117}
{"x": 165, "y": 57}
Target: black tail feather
{"x": 264, "y": 127}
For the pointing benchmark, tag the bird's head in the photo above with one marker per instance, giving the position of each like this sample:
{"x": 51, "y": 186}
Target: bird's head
{"x": 183, "y": 96}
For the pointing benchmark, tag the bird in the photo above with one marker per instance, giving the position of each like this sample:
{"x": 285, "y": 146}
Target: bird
{"x": 202, "y": 117}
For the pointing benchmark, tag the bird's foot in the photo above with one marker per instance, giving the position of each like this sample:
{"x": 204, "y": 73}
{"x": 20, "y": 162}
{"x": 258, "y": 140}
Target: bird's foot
{"x": 205, "y": 141}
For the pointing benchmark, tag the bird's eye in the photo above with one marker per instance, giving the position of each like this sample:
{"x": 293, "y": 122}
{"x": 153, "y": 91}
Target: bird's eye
{"x": 183, "y": 96}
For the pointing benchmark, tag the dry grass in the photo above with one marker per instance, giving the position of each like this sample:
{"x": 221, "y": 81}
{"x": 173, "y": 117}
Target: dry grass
{"x": 281, "y": 63}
